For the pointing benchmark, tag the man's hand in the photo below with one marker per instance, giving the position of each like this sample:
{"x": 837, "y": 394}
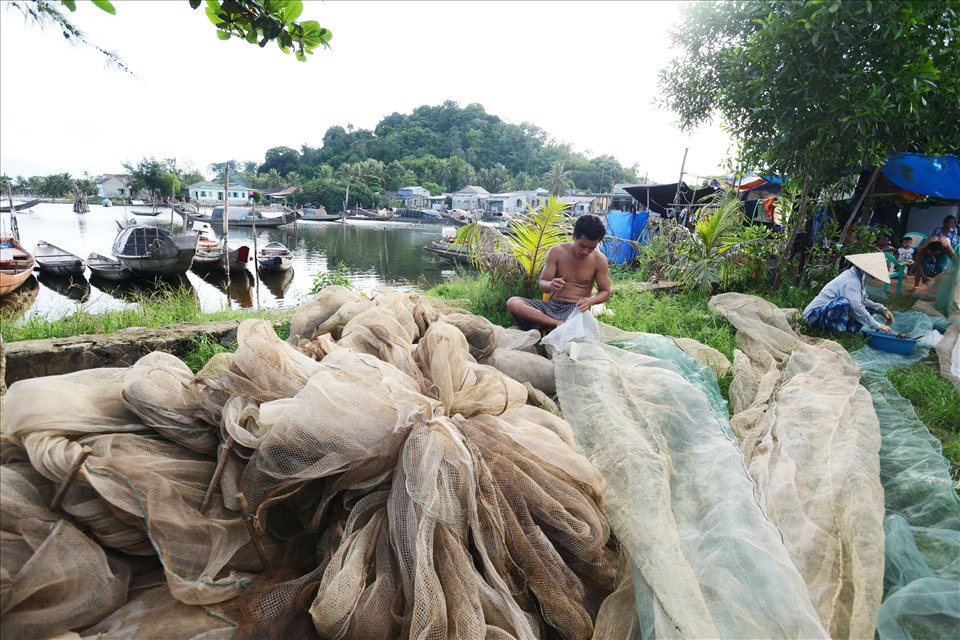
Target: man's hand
{"x": 888, "y": 316}
{"x": 584, "y": 304}
{"x": 884, "y": 328}
{"x": 556, "y": 284}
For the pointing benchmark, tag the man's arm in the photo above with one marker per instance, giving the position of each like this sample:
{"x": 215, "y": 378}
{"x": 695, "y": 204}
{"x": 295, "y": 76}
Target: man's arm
{"x": 549, "y": 282}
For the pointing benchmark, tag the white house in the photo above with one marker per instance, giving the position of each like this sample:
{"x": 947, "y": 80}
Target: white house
{"x": 212, "y": 192}
{"x": 413, "y": 197}
{"x": 470, "y": 198}
{"x": 515, "y": 201}
{"x": 437, "y": 202}
{"x": 580, "y": 204}
{"x": 112, "y": 185}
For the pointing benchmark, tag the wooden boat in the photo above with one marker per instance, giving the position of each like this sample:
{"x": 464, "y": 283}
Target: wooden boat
{"x": 239, "y": 217}
{"x": 214, "y": 258}
{"x": 16, "y": 264}
{"x": 151, "y": 211}
{"x": 56, "y": 261}
{"x": 426, "y": 216}
{"x": 107, "y": 268}
{"x": 383, "y": 215}
{"x": 449, "y": 251}
{"x": 18, "y": 206}
{"x": 318, "y": 214}
{"x": 151, "y": 251}
{"x": 274, "y": 257}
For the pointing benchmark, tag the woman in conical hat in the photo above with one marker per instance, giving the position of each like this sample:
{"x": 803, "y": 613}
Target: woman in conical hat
{"x": 843, "y": 305}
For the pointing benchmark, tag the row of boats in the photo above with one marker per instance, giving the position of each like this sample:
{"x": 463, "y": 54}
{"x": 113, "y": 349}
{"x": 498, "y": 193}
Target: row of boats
{"x": 138, "y": 251}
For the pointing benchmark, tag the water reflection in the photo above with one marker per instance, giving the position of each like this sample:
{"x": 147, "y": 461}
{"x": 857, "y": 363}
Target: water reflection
{"x": 16, "y": 303}
{"x": 277, "y": 282}
{"x": 72, "y": 287}
{"x": 240, "y": 286}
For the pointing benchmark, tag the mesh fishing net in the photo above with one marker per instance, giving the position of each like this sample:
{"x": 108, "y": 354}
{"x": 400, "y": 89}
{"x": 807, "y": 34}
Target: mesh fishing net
{"x": 709, "y": 563}
{"x": 373, "y": 477}
{"x": 810, "y": 439}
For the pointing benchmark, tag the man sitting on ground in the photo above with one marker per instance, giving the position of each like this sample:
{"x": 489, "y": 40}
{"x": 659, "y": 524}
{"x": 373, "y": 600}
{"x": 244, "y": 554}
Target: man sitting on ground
{"x": 569, "y": 273}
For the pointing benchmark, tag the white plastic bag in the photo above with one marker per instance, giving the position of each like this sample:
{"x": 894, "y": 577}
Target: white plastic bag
{"x": 578, "y": 326}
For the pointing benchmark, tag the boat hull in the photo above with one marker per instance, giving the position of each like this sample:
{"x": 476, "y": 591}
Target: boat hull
{"x": 108, "y": 269}
{"x": 213, "y": 260}
{"x": 55, "y": 261}
{"x": 16, "y": 265}
{"x": 274, "y": 258}
{"x": 149, "y": 251}
{"x": 246, "y": 221}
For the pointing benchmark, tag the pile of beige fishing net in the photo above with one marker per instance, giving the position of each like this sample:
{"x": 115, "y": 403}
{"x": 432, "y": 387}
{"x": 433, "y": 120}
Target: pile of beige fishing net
{"x": 395, "y": 486}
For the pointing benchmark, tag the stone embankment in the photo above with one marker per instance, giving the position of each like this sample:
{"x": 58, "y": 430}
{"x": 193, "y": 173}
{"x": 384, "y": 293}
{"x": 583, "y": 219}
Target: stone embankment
{"x": 54, "y": 356}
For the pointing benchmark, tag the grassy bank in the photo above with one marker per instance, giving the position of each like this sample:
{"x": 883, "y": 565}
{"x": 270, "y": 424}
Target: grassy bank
{"x": 160, "y": 310}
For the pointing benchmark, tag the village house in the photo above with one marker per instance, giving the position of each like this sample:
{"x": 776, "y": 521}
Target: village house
{"x": 470, "y": 198}
{"x": 279, "y": 194}
{"x": 437, "y": 203}
{"x": 515, "y": 201}
{"x": 112, "y": 185}
{"x": 581, "y": 204}
{"x": 413, "y": 197}
{"x": 212, "y": 192}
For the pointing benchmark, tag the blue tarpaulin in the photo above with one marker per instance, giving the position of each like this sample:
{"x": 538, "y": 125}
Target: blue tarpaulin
{"x": 625, "y": 225}
{"x": 933, "y": 176}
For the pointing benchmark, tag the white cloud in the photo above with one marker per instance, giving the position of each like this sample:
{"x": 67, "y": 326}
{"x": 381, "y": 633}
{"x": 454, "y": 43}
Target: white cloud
{"x": 586, "y": 72}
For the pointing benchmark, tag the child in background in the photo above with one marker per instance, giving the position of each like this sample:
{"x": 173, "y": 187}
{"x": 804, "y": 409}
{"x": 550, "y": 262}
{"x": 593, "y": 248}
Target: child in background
{"x": 905, "y": 252}
{"x": 883, "y": 243}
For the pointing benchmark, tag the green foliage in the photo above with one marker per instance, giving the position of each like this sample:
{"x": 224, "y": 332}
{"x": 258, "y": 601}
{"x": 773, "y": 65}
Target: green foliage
{"x": 706, "y": 255}
{"x": 149, "y": 174}
{"x": 557, "y": 179}
{"x": 337, "y": 276}
{"x": 811, "y": 89}
{"x": 524, "y": 252}
{"x": 261, "y": 22}
{"x": 483, "y": 294}
{"x": 204, "y": 348}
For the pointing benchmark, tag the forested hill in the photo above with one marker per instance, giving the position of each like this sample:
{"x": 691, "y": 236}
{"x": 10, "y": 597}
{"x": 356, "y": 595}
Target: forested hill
{"x": 441, "y": 147}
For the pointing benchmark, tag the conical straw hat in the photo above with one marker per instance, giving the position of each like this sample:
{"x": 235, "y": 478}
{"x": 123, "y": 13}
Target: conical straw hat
{"x": 873, "y": 264}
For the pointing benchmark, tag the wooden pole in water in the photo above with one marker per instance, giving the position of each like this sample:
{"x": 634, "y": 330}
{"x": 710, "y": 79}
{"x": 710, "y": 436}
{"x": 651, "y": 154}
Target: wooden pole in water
{"x": 225, "y": 248}
{"x": 173, "y": 191}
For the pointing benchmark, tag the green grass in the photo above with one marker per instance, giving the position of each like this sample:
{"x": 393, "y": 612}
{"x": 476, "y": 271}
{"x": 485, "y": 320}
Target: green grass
{"x": 483, "y": 295}
{"x": 936, "y": 402}
{"x": 168, "y": 307}
{"x": 204, "y": 348}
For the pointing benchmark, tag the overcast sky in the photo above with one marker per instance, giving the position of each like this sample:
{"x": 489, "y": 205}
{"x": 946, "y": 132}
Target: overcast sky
{"x": 586, "y": 72}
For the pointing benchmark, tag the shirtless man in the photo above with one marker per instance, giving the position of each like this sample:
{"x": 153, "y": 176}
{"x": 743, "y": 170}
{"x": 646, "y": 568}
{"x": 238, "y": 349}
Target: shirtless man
{"x": 569, "y": 274}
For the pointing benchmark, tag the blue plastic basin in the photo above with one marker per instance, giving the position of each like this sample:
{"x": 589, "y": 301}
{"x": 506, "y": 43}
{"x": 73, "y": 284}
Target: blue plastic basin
{"x": 890, "y": 343}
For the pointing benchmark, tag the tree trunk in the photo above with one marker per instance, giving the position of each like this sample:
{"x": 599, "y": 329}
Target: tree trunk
{"x": 866, "y": 190}
{"x": 795, "y": 227}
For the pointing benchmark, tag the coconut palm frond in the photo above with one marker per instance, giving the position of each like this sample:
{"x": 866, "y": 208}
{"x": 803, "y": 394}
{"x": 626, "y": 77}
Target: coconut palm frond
{"x": 533, "y": 236}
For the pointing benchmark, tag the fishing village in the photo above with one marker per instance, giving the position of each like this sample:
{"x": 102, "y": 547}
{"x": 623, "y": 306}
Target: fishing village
{"x": 446, "y": 377}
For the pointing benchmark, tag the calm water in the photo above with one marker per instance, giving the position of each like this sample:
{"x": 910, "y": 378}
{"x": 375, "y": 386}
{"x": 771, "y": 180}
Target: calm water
{"x": 371, "y": 253}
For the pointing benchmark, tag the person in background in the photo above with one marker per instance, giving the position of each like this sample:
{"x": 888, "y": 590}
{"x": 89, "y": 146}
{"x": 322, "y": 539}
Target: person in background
{"x": 933, "y": 256}
{"x": 843, "y": 305}
{"x": 905, "y": 252}
{"x": 883, "y": 243}
{"x": 948, "y": 230}
{"x": 569, "y": 274}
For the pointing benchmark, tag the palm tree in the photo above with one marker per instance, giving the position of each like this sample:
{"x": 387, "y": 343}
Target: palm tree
{"x": 557, "y": 179}
{"x": 444, "y": 171}
{"x": 707, "y": 252}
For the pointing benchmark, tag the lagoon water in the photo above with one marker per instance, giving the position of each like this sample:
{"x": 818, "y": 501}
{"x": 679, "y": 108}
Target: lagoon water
{"x": 371, "y": 254}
